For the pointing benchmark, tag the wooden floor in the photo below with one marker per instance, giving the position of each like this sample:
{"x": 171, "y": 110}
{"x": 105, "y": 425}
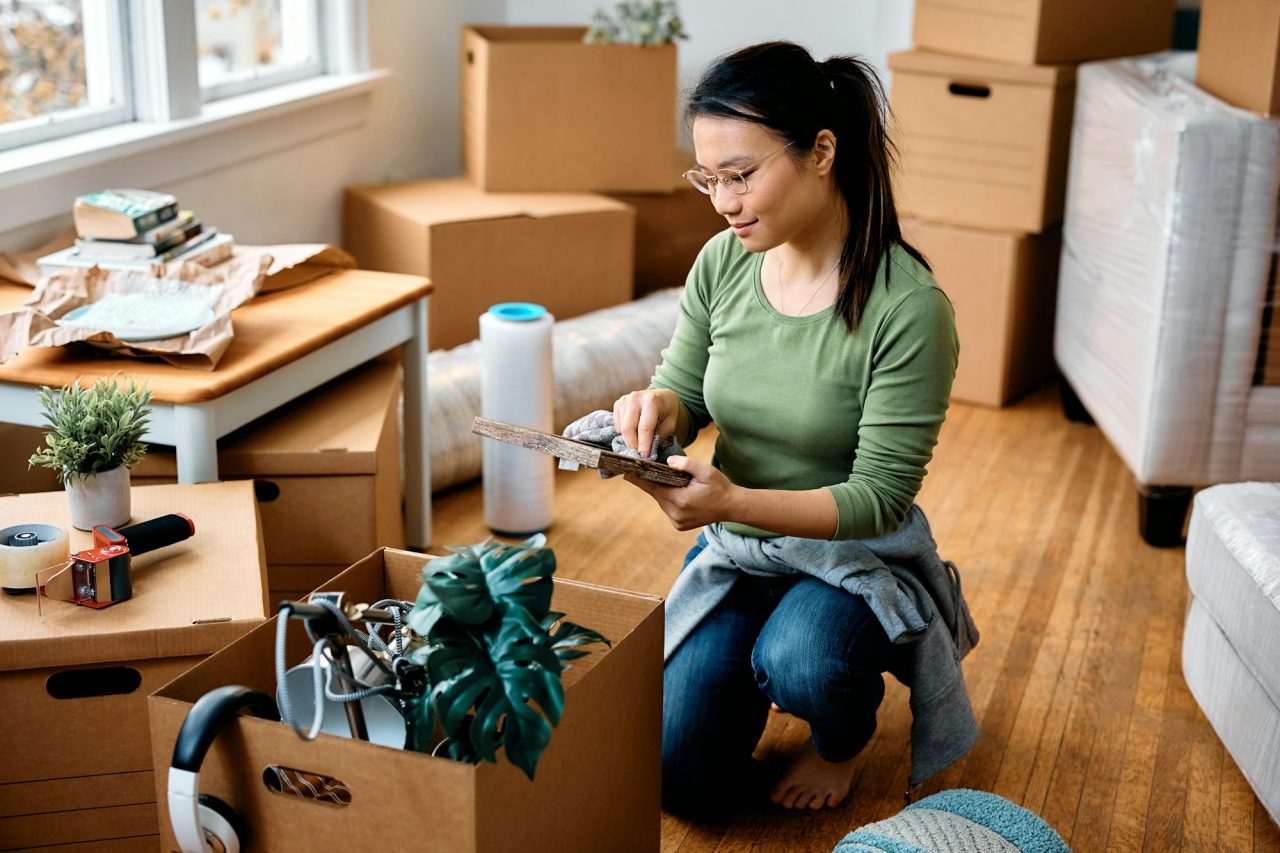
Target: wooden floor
{"x": 1077, "y": 681}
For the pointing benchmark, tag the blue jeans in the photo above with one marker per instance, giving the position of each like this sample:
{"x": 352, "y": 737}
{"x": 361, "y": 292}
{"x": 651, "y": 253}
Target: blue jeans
{"x": 813, "y": 649}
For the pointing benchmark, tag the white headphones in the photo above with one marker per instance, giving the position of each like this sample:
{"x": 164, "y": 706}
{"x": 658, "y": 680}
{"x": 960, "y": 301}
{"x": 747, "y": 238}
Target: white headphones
{"x": 203, "y": 823}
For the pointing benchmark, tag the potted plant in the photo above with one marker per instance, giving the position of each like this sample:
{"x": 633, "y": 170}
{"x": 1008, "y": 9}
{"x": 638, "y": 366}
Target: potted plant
{"x": 93, "y": 438}
{"x": 494, "y": 652}
{"x": 637, "y": 22}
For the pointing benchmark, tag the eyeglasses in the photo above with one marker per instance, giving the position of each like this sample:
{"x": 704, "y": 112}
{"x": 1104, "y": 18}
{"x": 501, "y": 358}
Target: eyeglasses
{"x": 734, "y": 180}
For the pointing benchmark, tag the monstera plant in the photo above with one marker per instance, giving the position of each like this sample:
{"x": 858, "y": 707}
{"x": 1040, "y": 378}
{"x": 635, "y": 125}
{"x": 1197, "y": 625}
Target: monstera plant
{"x": 494, "y": 652}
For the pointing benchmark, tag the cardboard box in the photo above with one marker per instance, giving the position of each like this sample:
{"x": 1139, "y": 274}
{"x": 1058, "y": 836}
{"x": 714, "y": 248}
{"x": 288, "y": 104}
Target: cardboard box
{"x": 1044, "y": 31}
{"x": 541, "y": 111}
{"x": 73, "y": 683}
{"x": 980, "y": 143}
{"x": 671, "y": 228}
{"x": 1238, "y": 53}
{"x": 1004, "y": 289}
{"x": 570, "y": 252}
{"x": 17, "y": 443}
{"x": 326, "y": 470}
{"x": 294, "y": 583}
{"x": 597, "y": 785}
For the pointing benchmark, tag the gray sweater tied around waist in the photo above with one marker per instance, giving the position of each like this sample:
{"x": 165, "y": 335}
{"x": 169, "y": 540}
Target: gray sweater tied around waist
{"x": 906, "y": 584}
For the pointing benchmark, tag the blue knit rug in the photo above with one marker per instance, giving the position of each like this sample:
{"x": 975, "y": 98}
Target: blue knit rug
{"x": 957, "y": 821}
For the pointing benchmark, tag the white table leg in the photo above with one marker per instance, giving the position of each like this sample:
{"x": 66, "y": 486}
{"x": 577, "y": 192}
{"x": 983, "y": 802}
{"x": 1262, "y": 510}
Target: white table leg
{"x": 196, "y": 442}
{"x": 417, "y": 444}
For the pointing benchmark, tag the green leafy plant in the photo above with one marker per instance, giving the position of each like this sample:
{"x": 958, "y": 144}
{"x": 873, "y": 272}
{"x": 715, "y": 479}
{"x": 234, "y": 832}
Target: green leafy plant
{"x": 494, "y": 652}
{"x": 636, "y": 22}
{"x": 94, "y": 429}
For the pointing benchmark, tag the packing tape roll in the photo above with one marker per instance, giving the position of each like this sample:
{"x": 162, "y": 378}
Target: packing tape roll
{"x": 26, "y": 549}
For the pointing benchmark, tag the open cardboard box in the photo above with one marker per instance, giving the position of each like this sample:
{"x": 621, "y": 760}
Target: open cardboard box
{"x": 597, "y": 785}
{"x": 76, "y": 764}
{"x": 544, "y": 112}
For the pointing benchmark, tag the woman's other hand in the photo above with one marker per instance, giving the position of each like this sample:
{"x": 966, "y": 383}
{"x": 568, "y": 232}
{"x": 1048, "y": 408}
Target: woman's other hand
{"x": 641, "y": 415}
{"x": 708, "y": 498}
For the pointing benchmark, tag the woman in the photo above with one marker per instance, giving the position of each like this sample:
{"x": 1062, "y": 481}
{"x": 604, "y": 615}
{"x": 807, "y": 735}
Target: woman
{"x": 817, "y": 340}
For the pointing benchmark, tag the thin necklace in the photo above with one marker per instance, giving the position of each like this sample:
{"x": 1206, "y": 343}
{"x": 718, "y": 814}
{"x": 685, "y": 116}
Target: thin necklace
{"x": 782, "y": 290}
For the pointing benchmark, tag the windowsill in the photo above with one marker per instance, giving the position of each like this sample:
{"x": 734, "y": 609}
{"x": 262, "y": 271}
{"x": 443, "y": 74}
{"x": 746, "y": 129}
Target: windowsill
{"x": 46, "y": 172}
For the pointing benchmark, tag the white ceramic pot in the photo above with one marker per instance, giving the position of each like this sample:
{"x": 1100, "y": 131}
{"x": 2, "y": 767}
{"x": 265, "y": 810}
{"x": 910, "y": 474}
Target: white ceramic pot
{"x": 99, "y": 499}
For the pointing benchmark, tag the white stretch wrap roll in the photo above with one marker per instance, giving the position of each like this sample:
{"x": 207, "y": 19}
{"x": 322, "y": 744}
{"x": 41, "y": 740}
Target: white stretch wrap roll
{"x": 516, "y": 388}
{"x": 598, "y": 357}
{"x": 18, "y": 565}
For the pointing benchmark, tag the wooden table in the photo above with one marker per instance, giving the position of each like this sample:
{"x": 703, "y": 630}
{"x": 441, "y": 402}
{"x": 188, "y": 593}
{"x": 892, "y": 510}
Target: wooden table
{"x": 286, "y": 343}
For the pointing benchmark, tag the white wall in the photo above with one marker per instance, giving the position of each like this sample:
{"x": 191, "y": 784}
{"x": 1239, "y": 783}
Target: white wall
{"x": 294, "y": 195}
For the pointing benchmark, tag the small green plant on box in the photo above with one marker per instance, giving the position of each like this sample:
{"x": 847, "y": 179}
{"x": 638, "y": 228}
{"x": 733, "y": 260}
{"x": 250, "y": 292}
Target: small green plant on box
{"x": 637, "y": 22}
{"x": 494, "y": 652}
{"x": 93, "y": 430}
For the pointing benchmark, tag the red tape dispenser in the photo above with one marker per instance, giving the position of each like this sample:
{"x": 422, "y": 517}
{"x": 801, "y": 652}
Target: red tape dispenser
{"x": 102, "y": 575}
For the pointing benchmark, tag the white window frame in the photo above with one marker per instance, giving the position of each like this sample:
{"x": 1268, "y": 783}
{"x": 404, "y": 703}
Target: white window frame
{"x": 104, "y": 21}
{"x": 173, "y": 135}
{"x": 255, "y": 79}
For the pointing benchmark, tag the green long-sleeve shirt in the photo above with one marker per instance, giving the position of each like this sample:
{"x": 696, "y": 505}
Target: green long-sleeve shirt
{"x": 800, "y": 403}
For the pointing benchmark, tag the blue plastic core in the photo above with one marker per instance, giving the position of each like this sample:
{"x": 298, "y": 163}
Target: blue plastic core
{"x": 518, "y": 311}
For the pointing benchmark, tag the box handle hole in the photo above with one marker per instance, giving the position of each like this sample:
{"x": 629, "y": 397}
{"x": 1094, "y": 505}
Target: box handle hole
{"x": 265, "y": 491}
{"x": 305, "y": 785}
{"x": 471, "y": 57}
{"x": 98, "y": 681}
{"x": 969, "y": 90}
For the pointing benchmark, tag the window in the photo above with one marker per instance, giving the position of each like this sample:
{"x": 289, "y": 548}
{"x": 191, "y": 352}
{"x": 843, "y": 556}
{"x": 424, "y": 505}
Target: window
{"x": 65, "y": 68}
{"x": 62, "y": 68}
{"x": 250, "y": 44}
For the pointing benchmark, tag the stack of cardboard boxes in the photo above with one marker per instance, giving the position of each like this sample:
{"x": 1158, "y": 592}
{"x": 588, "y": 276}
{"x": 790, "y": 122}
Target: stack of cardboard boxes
{"x": 1239, "y": 61}
{"x": 572, "y": 198}
{"x": 982, "y": 110}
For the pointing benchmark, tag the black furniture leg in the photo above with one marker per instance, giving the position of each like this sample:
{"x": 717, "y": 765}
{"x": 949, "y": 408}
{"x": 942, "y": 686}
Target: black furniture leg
{"x": 1162, "y": 510}
{"x": 1072, "y": 408}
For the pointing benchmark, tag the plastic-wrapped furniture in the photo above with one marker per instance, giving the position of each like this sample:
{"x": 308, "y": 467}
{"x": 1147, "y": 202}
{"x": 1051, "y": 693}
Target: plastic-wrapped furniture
{"x": 1233, "y": 626}
{"x": 1167, "y": 246}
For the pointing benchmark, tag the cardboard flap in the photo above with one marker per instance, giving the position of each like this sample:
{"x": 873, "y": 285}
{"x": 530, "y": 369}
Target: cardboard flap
{"x": 188, "y": 599}
{"x": 509, "y": 34}
{"x": 332, "y": 430}
{"x": 439, "y": 202}
{"x": 976, "y": 71}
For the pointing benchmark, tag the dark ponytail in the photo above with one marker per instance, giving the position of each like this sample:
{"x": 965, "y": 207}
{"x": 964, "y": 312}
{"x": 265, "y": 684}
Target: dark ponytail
{"x": 780, "y": 86}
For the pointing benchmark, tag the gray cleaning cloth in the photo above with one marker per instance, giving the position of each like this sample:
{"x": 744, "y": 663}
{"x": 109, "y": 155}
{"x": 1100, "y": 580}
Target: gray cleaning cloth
{"x": 597, "y": 428}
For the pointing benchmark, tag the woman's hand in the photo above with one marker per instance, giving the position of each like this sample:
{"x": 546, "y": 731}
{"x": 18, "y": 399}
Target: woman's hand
{"x": 641, "y": 415}
{"x": 708, "y": 498}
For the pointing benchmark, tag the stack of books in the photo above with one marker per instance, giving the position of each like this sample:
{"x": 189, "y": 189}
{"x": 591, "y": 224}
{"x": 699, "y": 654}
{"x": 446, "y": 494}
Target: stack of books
{"x": 128, "y": 229}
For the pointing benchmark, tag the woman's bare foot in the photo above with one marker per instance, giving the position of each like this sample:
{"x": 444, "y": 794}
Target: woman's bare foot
{"x": 811, "y": 782}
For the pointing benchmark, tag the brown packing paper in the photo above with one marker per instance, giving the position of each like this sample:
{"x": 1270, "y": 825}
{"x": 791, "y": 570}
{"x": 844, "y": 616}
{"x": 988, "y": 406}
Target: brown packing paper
{"x": 249, "y": 271}
{"x": 20, "y": 267}
{"x": 67, "y": 289}
{"x": 295, "y": 263}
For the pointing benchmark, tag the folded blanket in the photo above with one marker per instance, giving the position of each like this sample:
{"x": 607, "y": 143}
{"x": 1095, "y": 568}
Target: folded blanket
{"x": 957, "y": 821}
